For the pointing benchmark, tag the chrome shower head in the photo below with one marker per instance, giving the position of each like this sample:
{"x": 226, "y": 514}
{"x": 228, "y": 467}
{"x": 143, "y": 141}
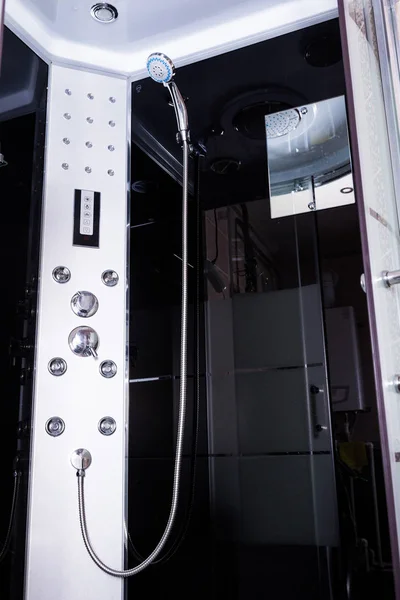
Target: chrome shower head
{"x": 282, "y": 123}
{"x": 160, "y": 68}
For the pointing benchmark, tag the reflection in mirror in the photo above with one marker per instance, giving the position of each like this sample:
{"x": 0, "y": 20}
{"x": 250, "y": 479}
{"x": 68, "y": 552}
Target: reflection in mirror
{"x": 241, "y": 250}
{"x": 309, "y": 158}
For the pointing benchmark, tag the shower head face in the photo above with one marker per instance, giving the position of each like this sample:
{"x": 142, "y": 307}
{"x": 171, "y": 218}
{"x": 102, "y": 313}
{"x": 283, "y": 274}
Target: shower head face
{"x": 160, "y": 67}
{"x": 282, "y": 123}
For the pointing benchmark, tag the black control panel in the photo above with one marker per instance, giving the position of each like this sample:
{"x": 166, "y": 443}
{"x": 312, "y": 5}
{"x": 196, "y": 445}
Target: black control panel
{"x": 86, "y": 218}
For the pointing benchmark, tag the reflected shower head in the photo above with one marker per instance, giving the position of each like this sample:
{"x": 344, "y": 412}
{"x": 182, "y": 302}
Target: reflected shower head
{"x": 160, "y": 68}
{"x": 282, "y": 123}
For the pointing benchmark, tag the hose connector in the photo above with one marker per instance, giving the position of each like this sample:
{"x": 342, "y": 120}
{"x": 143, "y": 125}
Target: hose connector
{"x": 81, "y": 459}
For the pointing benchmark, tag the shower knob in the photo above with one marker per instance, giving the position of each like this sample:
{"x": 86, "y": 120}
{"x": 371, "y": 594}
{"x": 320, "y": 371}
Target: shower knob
{"x": 83, "y": 341}
{"x": 84, "y": 304}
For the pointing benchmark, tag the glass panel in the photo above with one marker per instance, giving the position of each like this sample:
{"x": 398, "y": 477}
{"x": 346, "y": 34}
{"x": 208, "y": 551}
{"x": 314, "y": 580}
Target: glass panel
{"x": 272, "y": 476}
{"x": 155, "y": 276}
{"x": 309, "y": 158}
{"x": 19, "y": 246}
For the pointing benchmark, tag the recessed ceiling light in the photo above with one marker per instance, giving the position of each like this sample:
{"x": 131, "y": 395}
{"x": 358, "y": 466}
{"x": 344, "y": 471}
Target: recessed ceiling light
{"x": 103, "y": 12}
{"x": 346, "y": 190}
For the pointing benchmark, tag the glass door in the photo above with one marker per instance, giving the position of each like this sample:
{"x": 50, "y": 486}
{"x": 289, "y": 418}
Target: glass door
{"x": 369, "y": 36}
{"x": 272, "y": 482}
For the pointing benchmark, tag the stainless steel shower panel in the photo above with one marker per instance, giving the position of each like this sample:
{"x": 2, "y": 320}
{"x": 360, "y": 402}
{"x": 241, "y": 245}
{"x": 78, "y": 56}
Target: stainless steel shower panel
{"x": 57, "y": 562}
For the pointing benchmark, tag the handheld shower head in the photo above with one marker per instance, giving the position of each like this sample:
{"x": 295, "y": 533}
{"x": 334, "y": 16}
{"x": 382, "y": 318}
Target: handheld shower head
{"x": 160, "y": 68}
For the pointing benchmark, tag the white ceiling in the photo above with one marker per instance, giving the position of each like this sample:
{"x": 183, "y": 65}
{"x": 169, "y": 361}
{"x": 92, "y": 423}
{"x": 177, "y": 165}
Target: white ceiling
{"x": 62, "y": 31}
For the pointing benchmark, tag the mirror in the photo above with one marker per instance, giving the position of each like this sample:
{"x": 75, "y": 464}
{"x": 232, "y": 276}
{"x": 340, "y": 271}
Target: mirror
{"x": 309, "y": 161}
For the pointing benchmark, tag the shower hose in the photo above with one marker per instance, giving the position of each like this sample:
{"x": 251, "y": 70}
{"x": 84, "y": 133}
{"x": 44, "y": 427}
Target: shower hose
{"x": 181, "y": 535}
{"x": 7, "y": 541}
{"x": 182, "y": 409}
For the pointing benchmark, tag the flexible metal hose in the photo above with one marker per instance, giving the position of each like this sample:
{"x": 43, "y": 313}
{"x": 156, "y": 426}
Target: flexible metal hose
{"x": 6, "y": 545}
{"x": 177, "y": 543}
{"x": 182, "y": 408}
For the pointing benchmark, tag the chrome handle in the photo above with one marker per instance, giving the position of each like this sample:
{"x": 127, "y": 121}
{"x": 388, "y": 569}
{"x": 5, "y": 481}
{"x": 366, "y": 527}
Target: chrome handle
{"x": 319, "y": 428}
{"x": 84, "y": 341}
{"x": 315, "y": 390}
{"x": 84, "y": 304}
{"x": 362, "y": 283}
{"x": 93, "y": 352}
{"x": 390, "y": 278}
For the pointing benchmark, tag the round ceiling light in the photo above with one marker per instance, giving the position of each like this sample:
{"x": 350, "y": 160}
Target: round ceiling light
{"x": 103, "y": 12}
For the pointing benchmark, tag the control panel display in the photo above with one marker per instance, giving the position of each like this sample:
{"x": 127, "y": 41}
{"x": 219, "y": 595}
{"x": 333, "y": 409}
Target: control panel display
{"x": 86, "y": 218}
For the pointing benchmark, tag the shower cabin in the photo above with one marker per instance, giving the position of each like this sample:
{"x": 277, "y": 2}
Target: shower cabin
{"x": 249, "y": 449}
